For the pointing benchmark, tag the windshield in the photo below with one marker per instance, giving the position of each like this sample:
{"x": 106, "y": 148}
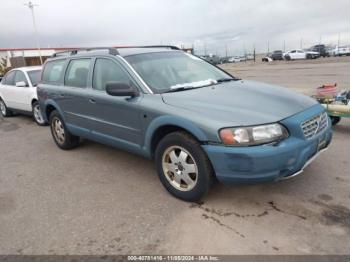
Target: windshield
{"x": 34, "y": 76}
{"x": 166, "y": 71}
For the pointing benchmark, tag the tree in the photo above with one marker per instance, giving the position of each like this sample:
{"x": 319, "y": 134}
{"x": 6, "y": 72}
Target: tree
{"x": 3, "y": 66}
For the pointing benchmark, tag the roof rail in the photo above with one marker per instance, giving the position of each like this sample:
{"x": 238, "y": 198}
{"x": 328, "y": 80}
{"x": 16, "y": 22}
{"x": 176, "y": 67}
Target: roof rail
{"x": 151, "y": 46}
{"x": 111, "y": 51}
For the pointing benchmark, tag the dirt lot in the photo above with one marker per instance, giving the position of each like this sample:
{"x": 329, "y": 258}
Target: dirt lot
{"x": 98, "y": 200}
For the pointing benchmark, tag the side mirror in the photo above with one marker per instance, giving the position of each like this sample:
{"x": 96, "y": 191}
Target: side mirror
{"x": 120, "y": 89}
{"x": 21, "y": 84}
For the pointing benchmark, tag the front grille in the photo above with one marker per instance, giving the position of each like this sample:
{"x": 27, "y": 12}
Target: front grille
{"x": 315, "y": 125}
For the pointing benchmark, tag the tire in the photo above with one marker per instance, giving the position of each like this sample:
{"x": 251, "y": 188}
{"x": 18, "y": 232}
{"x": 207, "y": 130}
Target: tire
{"x": 3, "y": 109}
{"x": 185, "y": 185}
{"x": 335, "y": 120}
{"x": 288, "y": 58}
{"x": 37, "y": 116}
{"x": 62, "y": 137}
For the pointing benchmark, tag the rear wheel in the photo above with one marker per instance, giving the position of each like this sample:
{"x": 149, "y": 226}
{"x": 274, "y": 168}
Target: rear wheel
{"x": 62, "y": 137}
{"x": 37, "y": 115}
{"x": 3, "y": 108}
{"x": 335, "y": 120}
{"x": 183, "y": 167}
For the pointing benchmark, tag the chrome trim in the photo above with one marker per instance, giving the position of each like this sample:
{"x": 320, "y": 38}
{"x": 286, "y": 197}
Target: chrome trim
{"x": 138, "y": 76}
{"x": 314, "y": 125}
{"x": 305, "y": 165}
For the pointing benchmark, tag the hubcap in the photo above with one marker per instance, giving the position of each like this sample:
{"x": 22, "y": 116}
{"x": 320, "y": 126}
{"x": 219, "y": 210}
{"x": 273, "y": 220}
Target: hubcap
{"x": 58, "y": 130}
{"x": 180, "y": 168}
{"x": 37, "y": 114}
{"x": 2, "y": 107}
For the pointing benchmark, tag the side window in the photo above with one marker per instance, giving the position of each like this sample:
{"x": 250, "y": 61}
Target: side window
{"x": 10, "y": 78}
{"x": 77, "y": 72}
{"x": 107, "y": 71}
{"x": 20, "y": 77}
{"x": 53, "y": 71}
{"x": 293, "y": 51}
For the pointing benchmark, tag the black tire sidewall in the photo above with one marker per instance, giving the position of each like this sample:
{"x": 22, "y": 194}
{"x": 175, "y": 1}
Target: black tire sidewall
{"x": 205, "y": 172}
{"x": 70, "y": 141}
{"x": 8, "y": 112}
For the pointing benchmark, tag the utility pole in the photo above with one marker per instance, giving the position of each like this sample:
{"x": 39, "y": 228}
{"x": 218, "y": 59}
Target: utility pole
{"x": 226, "y": 50}
{"x": 338, "y": 42}
{"x": 31, "y": 7}
{"x": 284, "y": 46}
{"x": 301, "y": 43}
{"x": 268, "y": 46}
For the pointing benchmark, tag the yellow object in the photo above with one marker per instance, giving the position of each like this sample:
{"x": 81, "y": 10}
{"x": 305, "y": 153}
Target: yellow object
{"x": 337, "y": 108}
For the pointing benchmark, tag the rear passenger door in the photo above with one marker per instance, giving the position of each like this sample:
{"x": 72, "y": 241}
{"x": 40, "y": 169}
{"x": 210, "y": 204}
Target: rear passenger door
{"x": 74, "y": 98}
{"x": 116, "y": 118}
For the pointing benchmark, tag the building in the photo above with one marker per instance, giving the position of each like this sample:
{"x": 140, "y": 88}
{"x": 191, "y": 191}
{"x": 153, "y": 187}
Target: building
{"x": 17, "y": 57}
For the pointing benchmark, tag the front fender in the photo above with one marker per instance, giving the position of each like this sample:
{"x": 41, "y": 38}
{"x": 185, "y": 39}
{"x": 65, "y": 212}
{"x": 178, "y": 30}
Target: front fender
{"x": 174, "y": 121}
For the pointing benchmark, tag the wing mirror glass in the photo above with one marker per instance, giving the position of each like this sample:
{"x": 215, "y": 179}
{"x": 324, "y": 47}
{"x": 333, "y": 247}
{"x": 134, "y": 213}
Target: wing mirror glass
{"x": 120, "y": 89}
{"x": 21, "y": 84}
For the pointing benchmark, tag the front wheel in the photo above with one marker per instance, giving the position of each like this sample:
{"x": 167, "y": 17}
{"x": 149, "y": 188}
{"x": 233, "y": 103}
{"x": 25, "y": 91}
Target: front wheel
{"x": 183, "y": 167}
{"x": 37, "y": 115}
{"x": 4, "y": 110}
{"x": 62, "y": 137}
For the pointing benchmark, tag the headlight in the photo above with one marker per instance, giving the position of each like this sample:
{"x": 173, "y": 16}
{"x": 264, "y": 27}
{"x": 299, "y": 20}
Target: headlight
{"x": 253, "y": 135}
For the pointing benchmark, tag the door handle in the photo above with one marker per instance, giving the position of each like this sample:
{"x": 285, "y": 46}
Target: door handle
{"x": 92, "y": 101}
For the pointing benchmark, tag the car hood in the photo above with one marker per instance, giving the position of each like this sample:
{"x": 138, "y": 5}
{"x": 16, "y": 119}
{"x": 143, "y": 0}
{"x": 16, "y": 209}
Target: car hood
{"x": 238, "y": 103}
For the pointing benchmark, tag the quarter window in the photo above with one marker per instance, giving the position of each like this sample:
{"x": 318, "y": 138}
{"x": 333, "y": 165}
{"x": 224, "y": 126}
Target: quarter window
{"x": 77, "y": 73}
{"x": 53, "y": 71}
{"x": 108, "y": 71}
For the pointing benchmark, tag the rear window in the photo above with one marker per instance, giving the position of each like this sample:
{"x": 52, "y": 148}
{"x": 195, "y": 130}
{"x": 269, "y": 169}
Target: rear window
{"x": 9, "y": 78}
{"x": 53, "y": 71}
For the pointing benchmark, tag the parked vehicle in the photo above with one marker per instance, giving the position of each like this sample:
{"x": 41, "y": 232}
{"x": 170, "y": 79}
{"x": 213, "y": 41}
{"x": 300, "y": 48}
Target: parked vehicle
{"x": 197, "y": 122}
{"x": 342, "y": 50}
{"x": 275, "y": 55}
{"x": 235, "y": 59}
{"x": 18, "y": 93}
{"x": 213, "y": 59}
{"x": 321, "y": 49}
{"x": 300, "y": 54}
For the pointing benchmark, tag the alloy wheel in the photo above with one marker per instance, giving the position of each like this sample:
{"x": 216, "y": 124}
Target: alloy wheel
{"x": 58, "y": 130}
{"x": 37, "y": 114}
{"x": 180, "y": 168}
{"x": 2, "y": 108}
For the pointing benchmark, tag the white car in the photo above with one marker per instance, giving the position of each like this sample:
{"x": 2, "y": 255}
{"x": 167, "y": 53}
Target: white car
{"x": 342, "y": 50}
{"x": 300, "y": 54}
{"x": 235, "y": 59}
{"x": 18, "y": 93}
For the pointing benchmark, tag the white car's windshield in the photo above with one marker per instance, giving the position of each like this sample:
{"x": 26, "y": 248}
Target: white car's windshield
{"x": 167, "y": 71}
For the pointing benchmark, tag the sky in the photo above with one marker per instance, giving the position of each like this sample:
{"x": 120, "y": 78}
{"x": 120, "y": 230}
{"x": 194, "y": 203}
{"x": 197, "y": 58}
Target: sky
{"x": 211, "y": 26}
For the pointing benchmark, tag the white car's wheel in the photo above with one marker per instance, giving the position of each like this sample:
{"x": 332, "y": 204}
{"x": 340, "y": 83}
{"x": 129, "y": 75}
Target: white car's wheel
{"x": 4, "y": 110}
{"x": 37, "y": 115}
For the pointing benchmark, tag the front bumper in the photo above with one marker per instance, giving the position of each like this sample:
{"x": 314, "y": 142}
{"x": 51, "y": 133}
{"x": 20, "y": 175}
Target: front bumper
{"x": 270, "y": 162}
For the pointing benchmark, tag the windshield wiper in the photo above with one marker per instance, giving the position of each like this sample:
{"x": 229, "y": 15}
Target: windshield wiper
{"x": 228, "y": 79}
{"x": 182, "y": 88}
